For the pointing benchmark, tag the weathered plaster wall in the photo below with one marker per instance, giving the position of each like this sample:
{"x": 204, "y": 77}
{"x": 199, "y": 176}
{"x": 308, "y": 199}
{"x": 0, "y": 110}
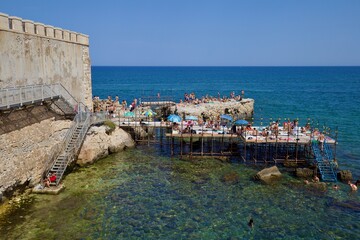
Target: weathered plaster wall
{"x": 34, "y": 53}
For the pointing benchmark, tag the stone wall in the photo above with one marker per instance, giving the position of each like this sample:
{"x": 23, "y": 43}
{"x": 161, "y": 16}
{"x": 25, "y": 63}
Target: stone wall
{"x": 26, "y": 153}
{"x": 34, "y": 53}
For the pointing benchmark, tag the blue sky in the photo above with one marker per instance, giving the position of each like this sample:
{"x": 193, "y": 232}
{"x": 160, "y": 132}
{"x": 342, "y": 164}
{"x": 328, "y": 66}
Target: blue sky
{"x": 206, "y": 33}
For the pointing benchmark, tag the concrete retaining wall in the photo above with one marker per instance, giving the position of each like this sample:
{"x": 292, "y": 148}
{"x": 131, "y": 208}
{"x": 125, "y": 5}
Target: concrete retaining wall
{"x": 34, "y": 53}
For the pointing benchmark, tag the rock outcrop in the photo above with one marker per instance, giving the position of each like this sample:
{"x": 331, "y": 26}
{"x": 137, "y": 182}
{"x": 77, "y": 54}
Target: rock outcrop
{"x": 345, "y": 175}
{"x": 317, "y": 186}
{"x": 267, "y": 175}
{"x": 212, "y": 110}
{"x": 304, "y": 172}
{"x": 98, "y": 144}
{"x": 230, "y": 178}
{"x": 25, "y": 153}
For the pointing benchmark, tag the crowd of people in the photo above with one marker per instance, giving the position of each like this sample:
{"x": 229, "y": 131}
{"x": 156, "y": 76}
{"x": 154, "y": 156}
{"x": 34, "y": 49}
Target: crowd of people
{"x": 191, "y": 98}
{"x": 111, "y": 106}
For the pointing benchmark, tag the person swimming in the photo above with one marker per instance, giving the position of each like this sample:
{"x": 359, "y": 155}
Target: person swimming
{"x": 251, "y": 223}
{"x": 352, "y": 186}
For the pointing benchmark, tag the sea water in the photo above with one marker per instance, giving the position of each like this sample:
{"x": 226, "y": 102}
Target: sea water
{"x": 327, "y": 97}
{"x": 140, "y": 194}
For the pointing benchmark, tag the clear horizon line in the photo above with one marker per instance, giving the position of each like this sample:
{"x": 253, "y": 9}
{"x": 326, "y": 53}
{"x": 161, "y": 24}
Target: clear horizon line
{"x": 225, "y": 66}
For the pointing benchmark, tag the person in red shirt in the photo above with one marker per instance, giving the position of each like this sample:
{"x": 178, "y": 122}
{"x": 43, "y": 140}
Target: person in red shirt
{"x": 50, "y": 179}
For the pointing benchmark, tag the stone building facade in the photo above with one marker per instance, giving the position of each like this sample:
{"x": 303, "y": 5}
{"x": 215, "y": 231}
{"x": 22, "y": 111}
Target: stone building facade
{"x": 34, "y": 53}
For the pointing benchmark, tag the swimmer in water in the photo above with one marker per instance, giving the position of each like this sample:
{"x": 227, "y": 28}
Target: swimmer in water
{"x": 352, "y": 186}
{"x": 251, "y": 223}
{"x": 336, "y": 187}
{"x": 316, "y": 179}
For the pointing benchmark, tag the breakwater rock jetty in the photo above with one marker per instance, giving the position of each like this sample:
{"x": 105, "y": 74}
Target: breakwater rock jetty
{"x": 213, "y": 109}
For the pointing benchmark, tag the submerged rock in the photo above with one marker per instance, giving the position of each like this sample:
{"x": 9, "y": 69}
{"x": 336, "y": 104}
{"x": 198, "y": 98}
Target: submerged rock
{"x": 304, "y": 172}
{"x": 200, "y": 180}
{"x": 230, "y": 178}
{"x": 317, "y": 186}
{"x": 345, "y": 175}
{"x": 267, "y": 175}
{"x": 349, "y": 205}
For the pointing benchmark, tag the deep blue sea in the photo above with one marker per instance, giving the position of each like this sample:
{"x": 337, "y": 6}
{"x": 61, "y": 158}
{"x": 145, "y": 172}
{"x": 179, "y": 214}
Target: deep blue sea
{"x": 141, "y": 194}
{"x": 325, "y": 96}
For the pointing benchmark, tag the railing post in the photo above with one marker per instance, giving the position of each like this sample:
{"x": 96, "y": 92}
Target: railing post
{"x": 42, "y": 92}
{"x": 32, "y": 94}
{"x": 7, "y": 98}
{"x": 20, "y": 96}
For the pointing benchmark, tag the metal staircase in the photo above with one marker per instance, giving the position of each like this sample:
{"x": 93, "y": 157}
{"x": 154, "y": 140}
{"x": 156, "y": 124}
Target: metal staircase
{"x": 71, "y": 146}
{"x": 324, "y": 162}
{"x": 63, "y": 101}
{"x": 63, "y": 107}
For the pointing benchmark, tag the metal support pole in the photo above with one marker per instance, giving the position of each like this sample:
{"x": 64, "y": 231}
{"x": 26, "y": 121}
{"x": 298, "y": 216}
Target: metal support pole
{"x": 20, "y": 96}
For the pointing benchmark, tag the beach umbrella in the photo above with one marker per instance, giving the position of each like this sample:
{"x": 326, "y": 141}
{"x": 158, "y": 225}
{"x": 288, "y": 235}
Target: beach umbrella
{"x": 193, "y": 118}
{"x": 174, "y": 118}
{"x": 241, "y": 122}
{"x": 129, "y": 114}
{"x": 149, "y": 113}
{"x": 226, "y": 116}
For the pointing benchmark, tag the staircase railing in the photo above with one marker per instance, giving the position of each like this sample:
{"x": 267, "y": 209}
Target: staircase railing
{"x": 328, "y": 151}
{"x": 75, "y": 135}
{"x": 19, "y": 96}
{"x": 324, "y": 163}
{"x": 79, "y": 140}
{"x": 71, "y": 149}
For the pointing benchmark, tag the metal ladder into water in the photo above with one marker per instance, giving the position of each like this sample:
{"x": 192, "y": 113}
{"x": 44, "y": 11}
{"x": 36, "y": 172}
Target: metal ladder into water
{"x": 324, "y": 162}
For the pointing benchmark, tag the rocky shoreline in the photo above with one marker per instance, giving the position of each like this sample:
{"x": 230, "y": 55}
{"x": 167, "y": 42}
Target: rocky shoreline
{"x": 26, "y": 153}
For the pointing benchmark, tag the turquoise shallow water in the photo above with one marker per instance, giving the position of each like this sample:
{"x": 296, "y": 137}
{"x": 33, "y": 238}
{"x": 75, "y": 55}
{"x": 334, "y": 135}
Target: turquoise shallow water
{"x": 139, "y": 194}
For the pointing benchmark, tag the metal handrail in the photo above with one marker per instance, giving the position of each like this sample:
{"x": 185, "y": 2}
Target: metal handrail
{"x": 26, "y": 94}
{"x": 18, "y": 96}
